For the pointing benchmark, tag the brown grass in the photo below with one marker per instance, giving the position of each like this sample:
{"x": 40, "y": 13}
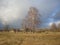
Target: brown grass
{"x": 20, "y": 38}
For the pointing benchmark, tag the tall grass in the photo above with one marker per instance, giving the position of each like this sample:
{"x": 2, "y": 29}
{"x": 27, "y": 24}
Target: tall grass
{"x": 21, "y": 38}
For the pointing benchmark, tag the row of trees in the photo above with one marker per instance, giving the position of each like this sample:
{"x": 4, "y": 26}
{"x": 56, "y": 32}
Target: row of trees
{"x": 32, "y": 21}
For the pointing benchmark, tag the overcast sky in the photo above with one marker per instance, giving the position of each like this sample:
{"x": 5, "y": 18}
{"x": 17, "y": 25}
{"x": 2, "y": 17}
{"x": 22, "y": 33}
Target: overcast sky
{"x": 13, "y": 11}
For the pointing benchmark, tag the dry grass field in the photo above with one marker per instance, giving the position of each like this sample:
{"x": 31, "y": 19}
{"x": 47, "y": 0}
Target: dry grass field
{"x": 21, "y": 38}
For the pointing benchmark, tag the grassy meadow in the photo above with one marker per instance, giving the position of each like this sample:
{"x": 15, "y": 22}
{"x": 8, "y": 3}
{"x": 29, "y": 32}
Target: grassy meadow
{"x": 29, "y": 38}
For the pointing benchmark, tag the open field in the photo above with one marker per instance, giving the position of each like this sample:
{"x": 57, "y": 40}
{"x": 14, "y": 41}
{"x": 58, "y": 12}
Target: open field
{"x": 21, "y": 38}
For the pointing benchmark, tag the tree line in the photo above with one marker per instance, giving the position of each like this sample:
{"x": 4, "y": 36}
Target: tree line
{"x": 31, "y": 22}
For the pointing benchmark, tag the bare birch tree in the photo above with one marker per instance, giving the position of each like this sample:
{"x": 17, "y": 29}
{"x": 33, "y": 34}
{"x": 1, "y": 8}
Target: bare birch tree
{"x": 32, "y": 20}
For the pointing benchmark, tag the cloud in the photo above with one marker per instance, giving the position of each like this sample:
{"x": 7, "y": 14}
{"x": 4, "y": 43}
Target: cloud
{"x": 13, "y": 11}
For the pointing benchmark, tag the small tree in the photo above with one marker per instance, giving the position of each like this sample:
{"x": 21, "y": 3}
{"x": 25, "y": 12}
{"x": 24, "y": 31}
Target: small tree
{"x": 6, "y": 28}
{"x": 53, "y": 27}
{"x": 58, "y": 27}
